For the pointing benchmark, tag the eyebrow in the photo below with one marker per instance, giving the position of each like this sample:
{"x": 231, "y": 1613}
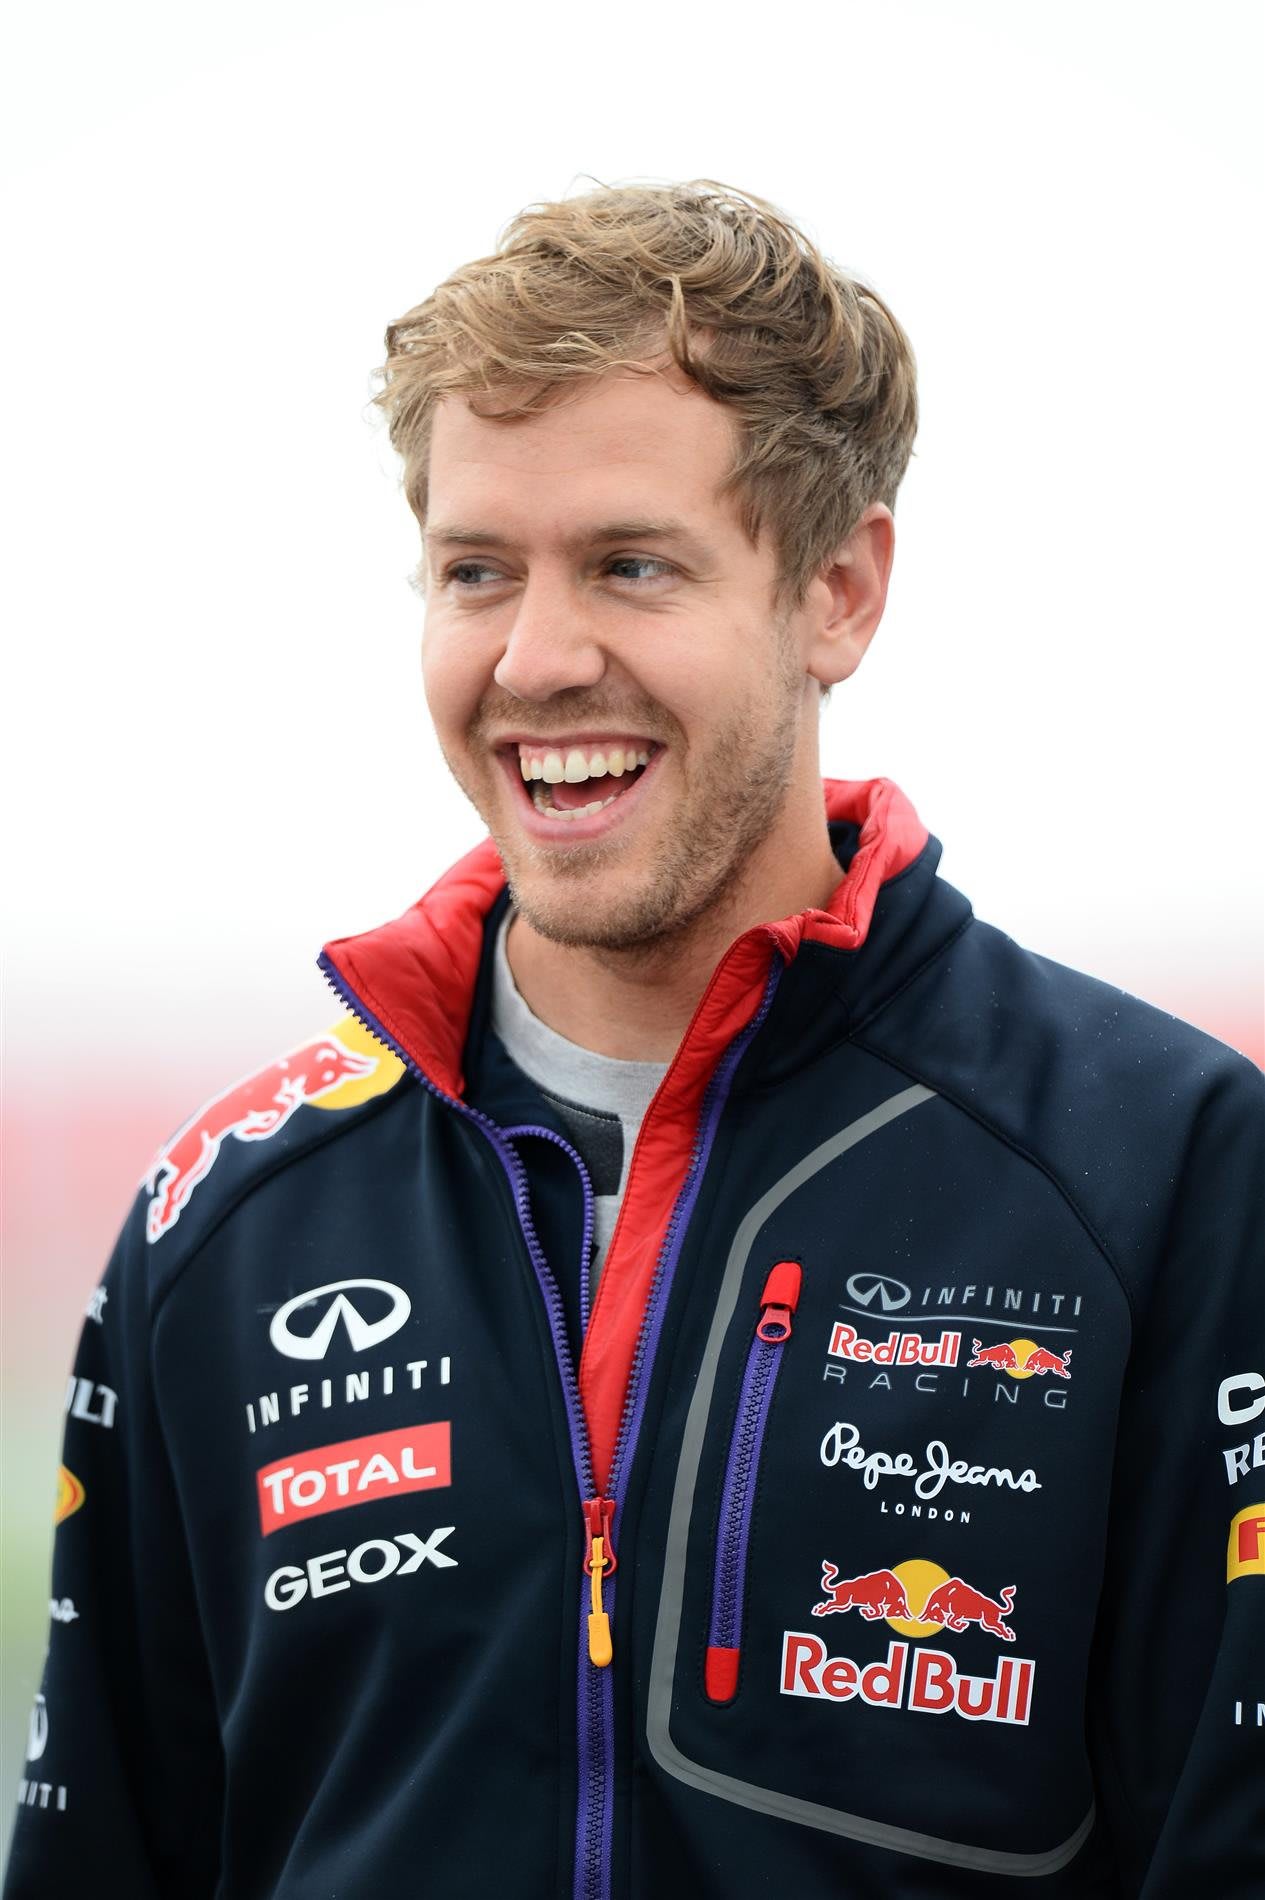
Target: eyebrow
{"x": 640, "y": 530}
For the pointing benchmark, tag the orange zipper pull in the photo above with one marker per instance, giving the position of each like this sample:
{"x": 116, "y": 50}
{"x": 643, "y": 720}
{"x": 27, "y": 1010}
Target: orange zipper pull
{"x": 778, "y": 1302}
{"x": 599, "y": 1562}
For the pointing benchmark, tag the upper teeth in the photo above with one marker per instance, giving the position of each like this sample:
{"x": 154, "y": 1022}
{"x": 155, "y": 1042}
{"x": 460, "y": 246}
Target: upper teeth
{"x": 576, "y": 765}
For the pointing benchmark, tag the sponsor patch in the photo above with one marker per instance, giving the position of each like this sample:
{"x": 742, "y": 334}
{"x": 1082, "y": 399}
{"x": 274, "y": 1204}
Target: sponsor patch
{"x": 355, "y": 1471}
{"x": 42, "y": 1794}
{"x": 1240, "y": 1459}
{"x": 933, "y": 1686}
{"x": 70, "y": 1495}
{"x": 326, "y": 1312}
{"x": 842, "y": 1446}
{"x": 870, "y": 1294}
{"x": 1241, "y": 1398}
{"x": 32, "y": 1793}
{"x": 371, "y": 1562}
{"x": 351, "y": 1388}
{"x": 95, "y": 1404}
{"x": 917, "y": 1599}
{"x": 37, "y": 1730}
{"x": 340, "y": 1070}
{"x": 896, "y": 1349}
{"x": 1245, "y": 1553}
{"x": 1021, "y": 1358}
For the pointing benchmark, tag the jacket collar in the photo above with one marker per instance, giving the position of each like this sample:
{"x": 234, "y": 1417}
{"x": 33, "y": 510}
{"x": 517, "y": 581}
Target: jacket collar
{"x": 416, "y": 976}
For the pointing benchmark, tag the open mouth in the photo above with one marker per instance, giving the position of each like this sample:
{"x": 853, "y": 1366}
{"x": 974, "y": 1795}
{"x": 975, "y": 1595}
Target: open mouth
{"x": 577, "y": 785}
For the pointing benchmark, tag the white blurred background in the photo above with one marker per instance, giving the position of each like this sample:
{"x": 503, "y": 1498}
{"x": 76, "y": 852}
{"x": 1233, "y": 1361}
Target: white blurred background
{"x": 216, "y": 749}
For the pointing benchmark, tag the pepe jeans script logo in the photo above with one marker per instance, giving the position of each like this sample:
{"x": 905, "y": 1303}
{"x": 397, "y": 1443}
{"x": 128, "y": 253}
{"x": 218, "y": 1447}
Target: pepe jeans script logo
{"x": 842, "y": 1446}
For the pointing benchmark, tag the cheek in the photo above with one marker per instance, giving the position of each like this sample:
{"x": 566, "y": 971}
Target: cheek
{"x": 697, "y": 670}
{"x": 453, "y": 678}
{"x": 711, "y": 681}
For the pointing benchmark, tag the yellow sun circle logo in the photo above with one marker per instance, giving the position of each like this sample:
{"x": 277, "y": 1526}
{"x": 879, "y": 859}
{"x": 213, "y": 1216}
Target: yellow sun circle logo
{"x": 918, "y": 1578}
{"x": 1022, "y": 1349}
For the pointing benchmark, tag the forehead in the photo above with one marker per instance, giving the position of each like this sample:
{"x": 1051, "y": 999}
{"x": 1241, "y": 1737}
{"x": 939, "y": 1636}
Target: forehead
{"x": 626, "y": 443}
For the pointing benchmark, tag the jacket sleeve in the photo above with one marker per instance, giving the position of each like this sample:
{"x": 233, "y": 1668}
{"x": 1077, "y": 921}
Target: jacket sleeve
{"x": 123, "y": 1784}
{"x": 1177, "y": 1713}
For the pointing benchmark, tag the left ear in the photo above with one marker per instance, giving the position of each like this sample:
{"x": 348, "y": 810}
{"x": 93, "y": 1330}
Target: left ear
{"x": 846, "y": 600}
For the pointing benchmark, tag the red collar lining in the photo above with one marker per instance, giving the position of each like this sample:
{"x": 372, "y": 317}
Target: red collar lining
{"x": 417, "y": 974}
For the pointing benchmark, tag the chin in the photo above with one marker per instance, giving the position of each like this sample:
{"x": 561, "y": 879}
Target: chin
{"x": 646, "y": 919}
{"x": 578, "y": 922}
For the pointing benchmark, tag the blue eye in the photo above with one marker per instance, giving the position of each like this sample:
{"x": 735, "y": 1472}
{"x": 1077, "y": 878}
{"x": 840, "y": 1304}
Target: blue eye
{"x": 639, "y": 560}
{"x": 461, "y": 567}
{"x": 461, "y": 571}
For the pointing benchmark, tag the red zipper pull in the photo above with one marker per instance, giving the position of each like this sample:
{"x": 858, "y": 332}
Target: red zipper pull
{"x": 599, "y": 1562}
{"x": 778, "y": 1302}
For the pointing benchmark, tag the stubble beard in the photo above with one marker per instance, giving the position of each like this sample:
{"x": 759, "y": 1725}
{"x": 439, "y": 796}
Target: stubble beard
{"x": 730, "y": 803}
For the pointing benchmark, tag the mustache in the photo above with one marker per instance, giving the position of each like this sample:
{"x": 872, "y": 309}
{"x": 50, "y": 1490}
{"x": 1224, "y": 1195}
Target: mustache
{"x": 569, "y": 709}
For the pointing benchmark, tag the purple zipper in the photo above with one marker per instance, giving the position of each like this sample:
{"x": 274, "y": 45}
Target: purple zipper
{"x": 733, "y": 1528}
{"x": 592, "y": 1881}
{"x": 577, "y": 1425}
{"x": 595, "y": 1713}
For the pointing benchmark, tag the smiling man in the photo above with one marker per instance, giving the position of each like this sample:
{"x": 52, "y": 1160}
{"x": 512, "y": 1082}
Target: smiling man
{"x": 618, "y": 692}
{"x": 720, "y": 1370}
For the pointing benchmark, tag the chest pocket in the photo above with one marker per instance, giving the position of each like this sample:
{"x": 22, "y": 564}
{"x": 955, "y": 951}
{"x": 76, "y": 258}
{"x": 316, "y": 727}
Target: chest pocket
{"x": 793, "y": 1672}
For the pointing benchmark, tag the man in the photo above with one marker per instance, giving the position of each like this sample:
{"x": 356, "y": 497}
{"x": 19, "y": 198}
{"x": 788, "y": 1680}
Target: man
{"x": 721, "y": 1373}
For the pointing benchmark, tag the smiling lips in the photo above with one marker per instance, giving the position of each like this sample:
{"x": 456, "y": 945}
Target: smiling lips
{"x": 553, "y": 775}
{"x": 553, "y": 781}
{"x": 583, "y": 762}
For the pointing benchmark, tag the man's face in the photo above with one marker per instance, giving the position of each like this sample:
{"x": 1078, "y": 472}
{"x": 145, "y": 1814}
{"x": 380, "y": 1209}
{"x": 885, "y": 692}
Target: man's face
{"x": 563, "y": 637}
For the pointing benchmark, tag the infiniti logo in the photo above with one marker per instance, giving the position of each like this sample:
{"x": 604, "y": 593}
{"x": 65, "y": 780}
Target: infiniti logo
{"x": 865, "y": 1288}
{"x": 37, "y": 1730}
{"x": 361, "y": 1332}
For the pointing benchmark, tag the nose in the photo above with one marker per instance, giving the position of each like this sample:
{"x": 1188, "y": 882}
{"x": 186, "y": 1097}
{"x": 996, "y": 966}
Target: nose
{"x": 551, "y": 646}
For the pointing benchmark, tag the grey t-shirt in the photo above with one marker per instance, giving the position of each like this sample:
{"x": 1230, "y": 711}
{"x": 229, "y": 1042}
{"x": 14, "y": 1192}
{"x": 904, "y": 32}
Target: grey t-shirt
{"x": 601, "y": 1099}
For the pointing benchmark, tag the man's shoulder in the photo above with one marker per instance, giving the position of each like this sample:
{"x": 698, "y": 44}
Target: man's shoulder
{"x": 1102, "y": 1090}
{"x": 255, "y": 1125}
{"x": 995, "y": 1006}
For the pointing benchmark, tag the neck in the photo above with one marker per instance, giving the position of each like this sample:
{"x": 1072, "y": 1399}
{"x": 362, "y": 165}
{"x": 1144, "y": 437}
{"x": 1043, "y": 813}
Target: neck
{"x": 636, "y": 1004}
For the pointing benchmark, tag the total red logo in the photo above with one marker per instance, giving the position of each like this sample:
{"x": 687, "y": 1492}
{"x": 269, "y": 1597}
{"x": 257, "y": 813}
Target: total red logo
{"x": 898, "y": 1349}
{"x": 355, "y": 1471}
{"x": 1021, "y": 1358}
{"x": 917, "y": 1599}
{"x": 253, "y": 1110}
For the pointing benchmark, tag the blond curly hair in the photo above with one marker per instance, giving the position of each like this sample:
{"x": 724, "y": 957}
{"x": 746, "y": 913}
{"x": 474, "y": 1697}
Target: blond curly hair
{"x": 817, "y": 371}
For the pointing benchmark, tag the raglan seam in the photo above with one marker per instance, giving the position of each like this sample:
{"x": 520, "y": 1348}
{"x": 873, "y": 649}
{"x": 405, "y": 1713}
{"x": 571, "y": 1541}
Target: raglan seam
{"x": 948, "y": 1094}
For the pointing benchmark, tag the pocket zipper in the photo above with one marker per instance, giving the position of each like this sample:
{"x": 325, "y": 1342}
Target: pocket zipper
{"x": 733, "y": 1531}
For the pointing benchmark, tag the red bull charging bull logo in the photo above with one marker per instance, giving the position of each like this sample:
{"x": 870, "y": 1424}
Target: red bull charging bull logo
{"x": 1021, "y": 1358}
{"x": 329, "y": 1072}
{"x": 917, "y": 1599}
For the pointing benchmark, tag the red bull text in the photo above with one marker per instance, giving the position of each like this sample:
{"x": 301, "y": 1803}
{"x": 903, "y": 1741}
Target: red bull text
{"x": 898, "y": 1349}
{"x": 926, "y": 1681}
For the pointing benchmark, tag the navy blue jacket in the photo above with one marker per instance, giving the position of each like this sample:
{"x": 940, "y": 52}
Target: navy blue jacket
{"x": 890, "y": 1523}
